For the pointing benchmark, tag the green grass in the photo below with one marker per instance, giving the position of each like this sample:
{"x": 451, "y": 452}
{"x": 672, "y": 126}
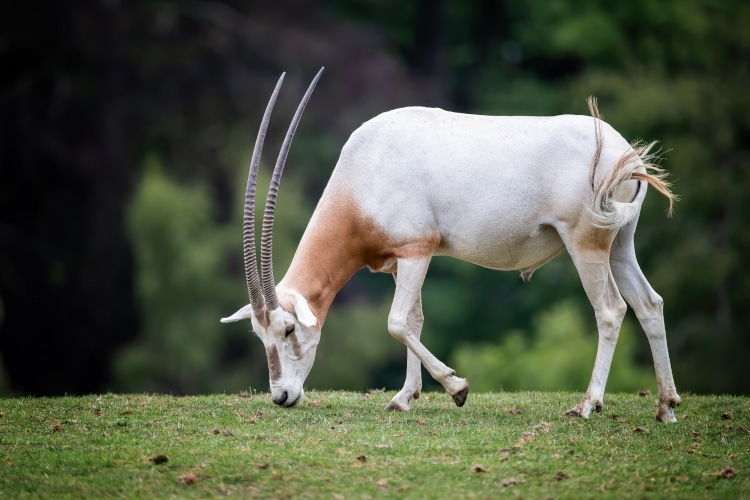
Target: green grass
{"x": 345, "y": 445}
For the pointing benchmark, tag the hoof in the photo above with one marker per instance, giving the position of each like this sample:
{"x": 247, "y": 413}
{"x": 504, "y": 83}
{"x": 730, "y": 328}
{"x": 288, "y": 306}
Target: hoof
{"x": 666, "y": 416}
{"x": 666, "y": 410}
{"x": 666, "y": 419}
{"x": 580, "y": 410}
{"x": 585, "y": 407}
{"x": 396, "y": 407}
{"x": 460, "y": 397}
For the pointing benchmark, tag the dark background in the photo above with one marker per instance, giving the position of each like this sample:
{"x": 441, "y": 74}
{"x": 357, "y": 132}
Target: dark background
{"x": 125, "y": 132}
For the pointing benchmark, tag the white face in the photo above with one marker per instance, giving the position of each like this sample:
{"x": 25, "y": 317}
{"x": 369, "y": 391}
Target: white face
{"x": 290, "y": 350}
{"x": 290, "y": 339}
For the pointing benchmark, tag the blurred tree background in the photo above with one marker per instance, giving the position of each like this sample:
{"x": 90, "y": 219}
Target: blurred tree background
{"x": 125, "y": 135}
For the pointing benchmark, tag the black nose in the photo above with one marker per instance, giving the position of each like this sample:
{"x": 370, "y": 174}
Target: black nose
{"x": 281, "y": 399}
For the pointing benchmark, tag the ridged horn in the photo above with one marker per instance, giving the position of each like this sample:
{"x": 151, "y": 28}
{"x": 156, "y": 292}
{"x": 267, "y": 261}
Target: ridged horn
{"x": 266, "y": 242}
{"x": 254, "y": 289}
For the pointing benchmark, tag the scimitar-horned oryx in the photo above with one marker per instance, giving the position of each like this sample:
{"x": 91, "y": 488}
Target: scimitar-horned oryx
{"x": 503, "y": 192}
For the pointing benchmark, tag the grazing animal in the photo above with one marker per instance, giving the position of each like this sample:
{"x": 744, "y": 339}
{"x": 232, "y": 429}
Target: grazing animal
{"x": 503, "y": 192}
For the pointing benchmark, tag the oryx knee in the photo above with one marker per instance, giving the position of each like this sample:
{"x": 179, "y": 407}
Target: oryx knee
{"x": 398, "y": 327}
{"x": 610, "y": 319}
{"x": 652, "y": 318}
{"x": 655, "y": 304}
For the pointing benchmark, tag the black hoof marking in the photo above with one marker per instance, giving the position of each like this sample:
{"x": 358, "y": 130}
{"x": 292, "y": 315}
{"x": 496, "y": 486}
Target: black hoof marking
{"x": 460, "y": 397}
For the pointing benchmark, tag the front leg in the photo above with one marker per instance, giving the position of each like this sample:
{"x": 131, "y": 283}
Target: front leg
{"x": 413, "y": 383}
{"x": 409, "y": 280}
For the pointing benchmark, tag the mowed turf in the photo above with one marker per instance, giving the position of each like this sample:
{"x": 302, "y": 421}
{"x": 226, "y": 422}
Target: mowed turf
{"x": 345, "y": 445}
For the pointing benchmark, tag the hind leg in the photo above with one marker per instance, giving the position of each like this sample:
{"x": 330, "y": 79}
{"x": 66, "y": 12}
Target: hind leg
{"x": 648, "y": 307}
{"x": 590, "y": 254}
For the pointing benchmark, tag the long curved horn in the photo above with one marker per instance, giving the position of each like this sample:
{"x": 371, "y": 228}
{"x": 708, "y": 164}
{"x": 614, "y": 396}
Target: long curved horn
{"x": 254, "y": 289}
{"x": 266, "y": 242}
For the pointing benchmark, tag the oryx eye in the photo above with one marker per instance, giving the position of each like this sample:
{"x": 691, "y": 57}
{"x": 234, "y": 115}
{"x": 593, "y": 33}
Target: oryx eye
{"x": 289, "y": 330}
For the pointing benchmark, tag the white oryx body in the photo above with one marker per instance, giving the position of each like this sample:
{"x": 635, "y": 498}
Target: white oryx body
{"x": 495, "y": 191}
{"x": 506, "y": 193}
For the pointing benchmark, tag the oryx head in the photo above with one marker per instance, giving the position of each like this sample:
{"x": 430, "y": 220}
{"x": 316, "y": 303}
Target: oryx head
{"x": 283, "y": 321}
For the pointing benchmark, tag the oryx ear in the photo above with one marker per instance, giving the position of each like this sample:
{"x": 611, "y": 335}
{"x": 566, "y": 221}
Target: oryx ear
{"x": 304, "y": 315}
{"x": 244, "y": 313}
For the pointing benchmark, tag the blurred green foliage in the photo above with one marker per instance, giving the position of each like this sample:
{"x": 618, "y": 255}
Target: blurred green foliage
{"x": 677, "y": 71}
{"x": 181, "y": 284}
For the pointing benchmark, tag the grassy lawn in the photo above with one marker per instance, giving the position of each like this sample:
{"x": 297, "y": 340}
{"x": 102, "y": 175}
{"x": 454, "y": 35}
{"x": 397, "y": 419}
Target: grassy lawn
{"x": 345, "y": 445}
